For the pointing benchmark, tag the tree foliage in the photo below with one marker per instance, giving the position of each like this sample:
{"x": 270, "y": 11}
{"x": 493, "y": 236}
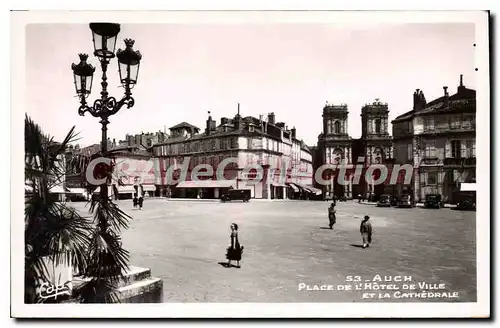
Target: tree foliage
{"x": 57, "y": 231}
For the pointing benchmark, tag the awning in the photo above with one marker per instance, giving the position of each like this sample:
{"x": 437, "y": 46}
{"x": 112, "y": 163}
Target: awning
{"x": 310, "y": 189}
{"x": 315, "y": 191}
{"x": 294, "y": 187}
{"x": 126, "y": 189}
{"x": 57, "y": 190}
{"x": 148, "y": 187}
{"x": 207, "y": 184}
{"x": 79, "y": 191}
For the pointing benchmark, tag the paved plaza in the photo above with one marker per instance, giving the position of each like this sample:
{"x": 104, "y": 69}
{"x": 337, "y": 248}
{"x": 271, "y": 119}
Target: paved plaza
{"x": 288, "y": 243}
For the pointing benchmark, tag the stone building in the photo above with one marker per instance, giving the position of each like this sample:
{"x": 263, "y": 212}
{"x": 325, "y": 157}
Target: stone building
{"x": 439, "y": 139}
{"x": 336, "y": 147}
{"x": 248, "y": 142}
{"x": 375, "y": 146}
{"x": 144, "y": 139}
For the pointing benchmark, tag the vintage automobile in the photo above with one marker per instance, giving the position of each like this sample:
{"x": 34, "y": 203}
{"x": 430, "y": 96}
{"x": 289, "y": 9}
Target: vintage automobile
{"x": 405, "y": 201}
{"x": 236, "y": 194}
{"x": 385, "y": 201}
{"x": 433, "y": 201}
{"x": 466, "y": 205}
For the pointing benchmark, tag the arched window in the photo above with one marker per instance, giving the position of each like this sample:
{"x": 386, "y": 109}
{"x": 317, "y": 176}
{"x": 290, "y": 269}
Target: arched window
{"x": 378, "y": 156}
{"x": 338, "y": 155}
{"x": 337, "y": 127}
{"x": 378, "y": 125}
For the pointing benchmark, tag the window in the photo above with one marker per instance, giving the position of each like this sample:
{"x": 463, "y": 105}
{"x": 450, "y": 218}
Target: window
{"x": 337, "y": 127}
{"x": 456, "y": 148}
{"x": 251, "y": 128}
{"x": 429, "y": 123}
{"x": 378, "y": 126}
{"x": 432, "y": 178}
{"x": 410, "y": 152}
{"x": 455, "y": 122}
{"x": 467, "y": 122}
{"x": 234, "y": 143}
{"x": 470, "y": 147}
{"x": 430, "y": 149}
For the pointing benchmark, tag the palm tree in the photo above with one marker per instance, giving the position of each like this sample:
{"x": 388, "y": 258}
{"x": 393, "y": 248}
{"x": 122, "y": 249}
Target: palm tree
{"x": 54, "y": 230}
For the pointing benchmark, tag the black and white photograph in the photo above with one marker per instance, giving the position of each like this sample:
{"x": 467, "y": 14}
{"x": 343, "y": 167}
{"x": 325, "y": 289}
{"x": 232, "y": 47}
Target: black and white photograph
{"x": 250, "y": 164}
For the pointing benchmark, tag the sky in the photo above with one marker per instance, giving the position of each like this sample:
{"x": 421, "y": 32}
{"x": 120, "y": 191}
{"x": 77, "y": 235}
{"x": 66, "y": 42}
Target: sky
{"x": 289, "y": 69}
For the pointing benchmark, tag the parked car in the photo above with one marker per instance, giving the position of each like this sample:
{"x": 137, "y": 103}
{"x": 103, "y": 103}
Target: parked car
{"x": 384, "y": 201}
{"x": 466, "y": 205}
{"x": 236, "y": 194}
{"x": 405, "y": 201}
{"x": 433, "y": 201}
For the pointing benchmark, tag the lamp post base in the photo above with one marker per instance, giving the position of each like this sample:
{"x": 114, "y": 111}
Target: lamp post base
{"x": 138, "y": 286}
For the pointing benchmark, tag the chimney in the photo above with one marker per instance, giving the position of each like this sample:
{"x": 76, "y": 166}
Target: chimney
{"x": 415, "y": 99}
{"x": 237, "y": 119}
{"x": 270, "y": 118}
{"x": 209, "y": 124}
{"x": 294, "y": 133}
{"x": 461, "y": 87}
{"x": 224, "y": 120}
{"x": 446, "y": 96}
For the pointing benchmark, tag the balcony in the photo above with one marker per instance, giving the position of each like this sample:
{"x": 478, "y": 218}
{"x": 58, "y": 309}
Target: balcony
{"x": 430, "y": 161}
{"x": 460, "y": 162}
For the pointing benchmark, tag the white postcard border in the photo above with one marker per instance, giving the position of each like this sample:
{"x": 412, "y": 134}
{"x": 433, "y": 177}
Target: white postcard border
{"x": 479, "y": 309}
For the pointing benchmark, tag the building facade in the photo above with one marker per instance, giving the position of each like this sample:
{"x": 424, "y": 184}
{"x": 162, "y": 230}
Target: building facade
{"x": 237, "y": 146}
{"x": 336, "y": 147}
{"x": 439, "y": 139}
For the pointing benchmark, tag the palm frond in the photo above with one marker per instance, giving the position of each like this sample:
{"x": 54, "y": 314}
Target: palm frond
{"x": 110, "y": 212}
{"x": 96, "y": 291}
{"x": 107, "y": 259}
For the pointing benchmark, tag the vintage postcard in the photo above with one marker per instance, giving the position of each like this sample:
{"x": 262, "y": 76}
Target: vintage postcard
{"x": 251, "y": 164}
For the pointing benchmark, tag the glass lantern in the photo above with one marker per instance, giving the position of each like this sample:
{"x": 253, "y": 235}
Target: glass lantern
{"x": 83, "y": 73}
{"x": 128, "y": 64}
{"x": 104, "y": 38}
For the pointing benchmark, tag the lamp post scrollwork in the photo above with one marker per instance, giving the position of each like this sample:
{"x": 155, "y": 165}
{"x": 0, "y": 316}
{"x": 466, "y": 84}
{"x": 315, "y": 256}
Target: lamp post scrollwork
{"x": 104, "y": 37}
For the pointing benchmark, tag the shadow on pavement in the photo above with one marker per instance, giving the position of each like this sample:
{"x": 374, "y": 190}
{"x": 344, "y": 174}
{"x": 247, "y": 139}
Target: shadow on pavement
{"x": 224, "y": 264}
{"x": 325, "y": 228}
{"x": 356, "y": 245}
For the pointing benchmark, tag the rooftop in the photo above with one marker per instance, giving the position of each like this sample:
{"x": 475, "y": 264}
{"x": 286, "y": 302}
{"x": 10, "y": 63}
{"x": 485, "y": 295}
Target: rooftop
{"x": 462, "y": 101}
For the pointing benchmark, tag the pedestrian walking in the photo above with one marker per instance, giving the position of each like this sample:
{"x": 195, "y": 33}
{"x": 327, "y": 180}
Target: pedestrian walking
{"x": 140, "y": 201}
{"x": 366, "y": 231}
{"x": 135, "y": 201}
{"x": 331, "y": 215}
{"x": 235, "y": 250}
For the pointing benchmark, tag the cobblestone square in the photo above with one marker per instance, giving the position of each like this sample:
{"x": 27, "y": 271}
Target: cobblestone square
{"x": 288, "y": 243}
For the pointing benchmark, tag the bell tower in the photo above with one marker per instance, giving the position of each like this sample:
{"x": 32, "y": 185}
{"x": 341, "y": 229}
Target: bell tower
{"x": 375, "y": 120}
{"x": 335, "y": 121}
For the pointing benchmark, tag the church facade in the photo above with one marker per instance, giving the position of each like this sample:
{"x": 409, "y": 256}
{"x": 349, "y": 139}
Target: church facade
{"x": 336, "y": 147}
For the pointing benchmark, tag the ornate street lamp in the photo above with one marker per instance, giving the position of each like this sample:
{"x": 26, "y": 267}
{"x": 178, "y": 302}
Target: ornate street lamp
{"x": 104, "y": 38}
{"x": 128, "y": 64}
{"x": 83, "y": 74}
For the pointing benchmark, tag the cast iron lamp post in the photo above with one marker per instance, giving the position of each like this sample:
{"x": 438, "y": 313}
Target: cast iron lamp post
{"x": 104, "y": 38}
